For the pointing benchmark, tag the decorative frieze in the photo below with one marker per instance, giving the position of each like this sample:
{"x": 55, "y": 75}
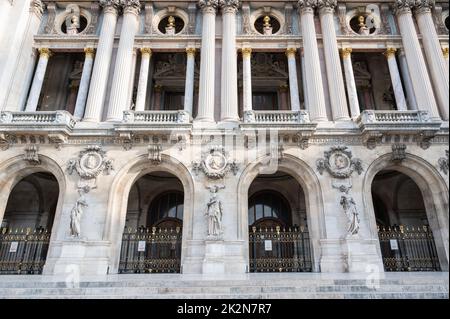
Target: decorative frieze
{"x": 338, "y": 162}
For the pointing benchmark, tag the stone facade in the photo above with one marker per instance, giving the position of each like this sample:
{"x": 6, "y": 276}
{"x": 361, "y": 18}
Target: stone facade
{"x": 320, "y": 137}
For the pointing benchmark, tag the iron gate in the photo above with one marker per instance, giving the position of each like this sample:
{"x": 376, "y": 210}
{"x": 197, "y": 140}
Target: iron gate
{"x": 151, "y": 250}
{"x": 408, "y": 248}
{"x": 23, "y": 251}
{"x": 280, "y": 250}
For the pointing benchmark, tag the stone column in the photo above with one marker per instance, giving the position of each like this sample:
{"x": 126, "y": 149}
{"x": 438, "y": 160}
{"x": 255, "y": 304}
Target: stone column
{"x": 283, "y": 92}
{"x": 315, "y": 92}
{"x": 84, "y": 83}
{"x": 190, "y": 81}
{"x": 350, "y": 81}
{"x": 293, "y": 80}
{"x": 119, "y": 88}
{"x": 304, "y": 84}
{"x": 38, "y": 80}
{"x": 396, "y": 80}
{"x": 404, "y": 69}
{"x": 419, "y": 74}
{"x": 433, "y": 51}
{"x": 229, "y": 91}
{"x": 333, "y": 64}
{"x": 146, "y": 54}
{"x": 97, "y": 89}
{"x": 247, "y": 78}
{"x": 207, "y": 62}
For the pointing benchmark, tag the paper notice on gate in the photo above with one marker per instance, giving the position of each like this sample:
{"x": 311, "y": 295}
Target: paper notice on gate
{"x": 13, "y": 247}
{"x": 141, "y": 245}
{"x": 394, "y": 244}
{"x": 268, "y": 245}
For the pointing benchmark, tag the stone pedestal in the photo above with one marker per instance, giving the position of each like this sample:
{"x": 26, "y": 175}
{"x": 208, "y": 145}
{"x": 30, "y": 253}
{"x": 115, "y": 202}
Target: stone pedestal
{"x": 214, "y": 262}
{"x": 332, "y": 260}
{"x": 361, "y": 255}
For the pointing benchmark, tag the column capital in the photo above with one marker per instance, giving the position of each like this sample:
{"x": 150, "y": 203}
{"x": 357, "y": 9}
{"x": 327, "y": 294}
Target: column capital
{"x": 445, "y": 52}
{"x": 190, "y": 51}
{"x": 208, "y": 6}
{"x": 45, "y": 52}
{"x": 110, "y": 6}
{"x": 423, "y": 6}
{"x": 131, "y": 6}
{"x": 307, "y": 6}
{"x": 37, "y": 7}
{"x": 346, "y": 52}
{"x": 290, "y": 52}
{"x": 390, "y": 52}
{"x": 403, "y": 6}
{"x": 89, "y": 52}
{"x": 146, "y": 51}
{"x": 326, "y": 6}
{"x": 230, "y": 6}
{"x": 246, "y": 52}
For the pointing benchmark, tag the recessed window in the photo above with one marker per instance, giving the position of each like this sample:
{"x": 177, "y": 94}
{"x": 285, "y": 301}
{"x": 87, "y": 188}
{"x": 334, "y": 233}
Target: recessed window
{"x": 363, "y": 24}
{"x": 267, "y": 25}
{"x": 171, "y": 25}
{"x": 73, "y": 24}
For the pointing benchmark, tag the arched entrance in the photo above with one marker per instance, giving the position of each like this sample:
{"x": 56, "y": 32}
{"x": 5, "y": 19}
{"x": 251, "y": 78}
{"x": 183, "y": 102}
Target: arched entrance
{"x": 152, "y": 236}
{"x": 406, "y": 238}
{"x": 27, "y": 224}
{"x": 278, "y": 230}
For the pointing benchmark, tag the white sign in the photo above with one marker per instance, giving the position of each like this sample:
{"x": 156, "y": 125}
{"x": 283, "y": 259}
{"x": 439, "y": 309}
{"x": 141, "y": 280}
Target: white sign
{"x": 13, "y": 247}
{"x": 394, "y": 244}
{"x": 268, "y": 245}
{"x": 141, "y": 245}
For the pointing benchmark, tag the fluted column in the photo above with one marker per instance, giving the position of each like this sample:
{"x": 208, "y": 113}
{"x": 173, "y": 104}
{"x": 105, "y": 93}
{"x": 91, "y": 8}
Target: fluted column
{"x": 38, "y": 80}
{"x": 100, "y": 73}
{"x": 146, "y": 54}
{"x": 190, "y": 77}
{"x": 229, "y": 91}
{"x": 404, "y": 69}
{"x": 304, "y": 84}
{"x": 84, "y": 83}
{"x": 396, "y": 80}
{"x": 247, "y": 78}
{"x": 293, "y": 79}
{"x": 119, "y": 88}
{"x": 315, "y": 92}
{"x": 433, "y": 51}
{"x": 350, "y": 81}
{"x": 419, "y": 74}
{"x": 207, "y": 62}
{"x": 334, "y": 71}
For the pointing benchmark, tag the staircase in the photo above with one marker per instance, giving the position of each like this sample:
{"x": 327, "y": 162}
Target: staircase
{"x": 251, "y": 286}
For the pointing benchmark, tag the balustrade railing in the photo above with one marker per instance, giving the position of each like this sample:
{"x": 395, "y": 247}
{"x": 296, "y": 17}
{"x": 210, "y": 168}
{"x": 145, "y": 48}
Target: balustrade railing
{"x": 23, "y": 251}
{"x": 276, "y": 117}
{"x": 408, "y": 248}
{"x": 157, "y": 117}
{"x": 280, "y": 249}
{"x": 388, "y": 116}
{"x": 47, "y": 118}
{"x": 151, "y": 250}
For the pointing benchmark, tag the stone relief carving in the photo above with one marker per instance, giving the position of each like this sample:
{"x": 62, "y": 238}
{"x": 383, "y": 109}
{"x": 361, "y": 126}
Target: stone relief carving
{"x": 443, "y": 163}
{"x": 92, "y": 27}
{"x": 385, "y": 27}
{"x": 339, "y": 163}
{"x": 32, "y": 155}
{"x": 192, "y": 10}
{"x": 342, "y": 14}
{"x": 398, "y": 153}
{"x": 149, "y": 18}
{"x": 154, "y": 153}
{"x": 215, "y": 163}
{"x": 90, "y": 163}
{"x": 246, "y": 25}
{"x": 214, "y": 214}
{"x": 75, "y": 216}
{"x": 349, "y": 206}
{"x": 51, "y": 13}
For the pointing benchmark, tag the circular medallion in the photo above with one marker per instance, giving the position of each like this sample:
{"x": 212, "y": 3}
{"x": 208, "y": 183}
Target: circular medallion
{"x": 91, "y": 163}
{"x": 215, "y": 162}
{"x": 339, "y": 161}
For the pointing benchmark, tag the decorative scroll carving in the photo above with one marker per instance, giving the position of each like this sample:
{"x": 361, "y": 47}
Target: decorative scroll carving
{"x": 31, "y": 154}
{"x": 214, "y": 214}
{"x": 51, "y": 15}
{"x": 215, "y": 163}
{"x": 92, "y": 27}
{"x": 192, "y": 12}
{"x": 398, "y": 153}
{"x": 443, "y": 163}
{"x": 246, "y": 26}
{"x": 154, "y": 153}
{"x": 385, "y": 27}
{"x": 342, "y": 14}
{"x": 288, "y": 16}
{"x": 339, "y": 163}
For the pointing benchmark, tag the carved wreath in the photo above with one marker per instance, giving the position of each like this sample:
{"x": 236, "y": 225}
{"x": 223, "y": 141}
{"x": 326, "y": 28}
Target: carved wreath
{"x": 90, "y": 163}
{"x": 215, "y": 163}
{"x": 339, "y": 163}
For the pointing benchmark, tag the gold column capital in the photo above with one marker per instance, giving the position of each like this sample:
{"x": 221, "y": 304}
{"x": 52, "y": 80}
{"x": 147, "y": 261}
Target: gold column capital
{"x": 158, "y": 88}
{"x": 445, "y": 52}
{"x": 346, "y": 52}
{"x": 246, "y": 52}
{"x": 191, "y": 51}
{"x": 291, "y": 52}
{"x": 390, "y": 52}
{"x": 89, "y": 52}
{"x": 45, "y": 52}
{"x": 146, "y": 51}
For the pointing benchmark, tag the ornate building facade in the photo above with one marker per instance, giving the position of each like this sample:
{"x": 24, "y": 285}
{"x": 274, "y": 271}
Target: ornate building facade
{"x": 223, "y": 136}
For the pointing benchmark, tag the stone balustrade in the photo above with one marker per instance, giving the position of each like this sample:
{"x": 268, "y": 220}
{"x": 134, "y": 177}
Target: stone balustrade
{"x": 43, "y": 118}
{"x": 396, "y": 117}
{"x": 156, "y": 117}
{"x": 276, "y": 117}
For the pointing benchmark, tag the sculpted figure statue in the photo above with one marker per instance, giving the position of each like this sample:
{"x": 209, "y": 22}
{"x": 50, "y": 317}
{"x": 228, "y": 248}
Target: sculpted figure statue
{"x": 350, "y": 210}
{"x": 72, "y": 19}
{"x": 214, "y": 213}
{"x": 75, "y": 217}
